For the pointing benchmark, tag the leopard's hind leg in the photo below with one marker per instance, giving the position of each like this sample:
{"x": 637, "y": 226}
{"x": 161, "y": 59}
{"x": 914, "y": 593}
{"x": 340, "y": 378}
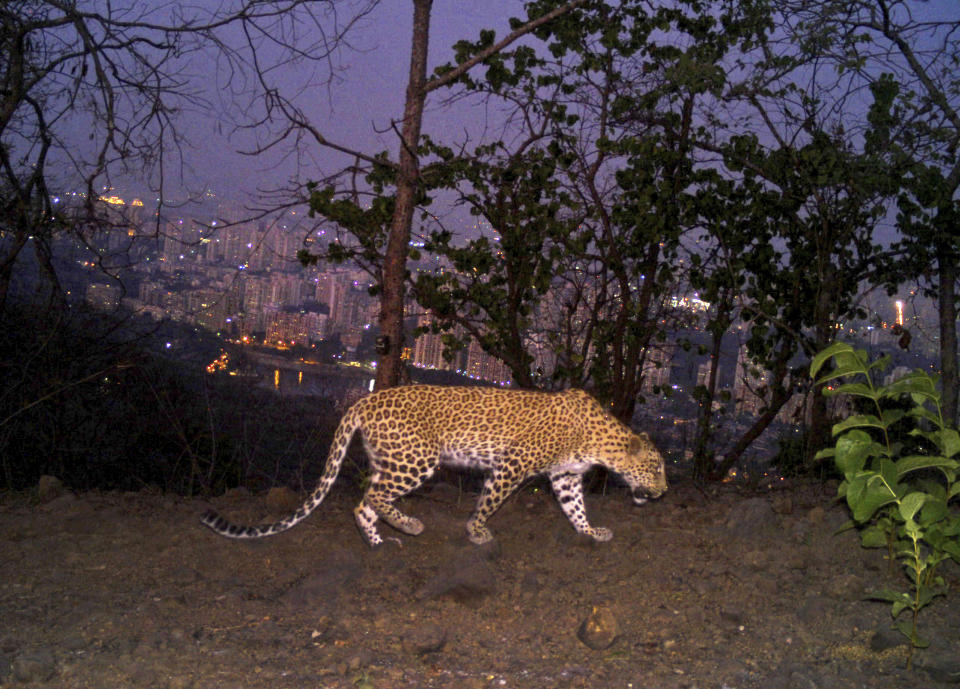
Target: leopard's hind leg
{"x": 387, "y": 485}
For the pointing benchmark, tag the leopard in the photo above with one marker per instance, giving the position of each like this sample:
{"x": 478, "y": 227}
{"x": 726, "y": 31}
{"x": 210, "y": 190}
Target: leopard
{"x": 510, "y": 435}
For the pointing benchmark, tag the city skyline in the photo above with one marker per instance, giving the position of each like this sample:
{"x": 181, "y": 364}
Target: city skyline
{"x": 242, "y": 278}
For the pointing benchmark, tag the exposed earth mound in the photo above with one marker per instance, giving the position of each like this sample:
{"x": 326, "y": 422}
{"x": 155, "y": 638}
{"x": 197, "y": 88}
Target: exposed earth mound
{"x": 733, "y": 589}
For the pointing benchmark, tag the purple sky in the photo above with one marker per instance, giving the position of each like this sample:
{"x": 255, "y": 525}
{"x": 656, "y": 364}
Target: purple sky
{"x": 358, "y": 109}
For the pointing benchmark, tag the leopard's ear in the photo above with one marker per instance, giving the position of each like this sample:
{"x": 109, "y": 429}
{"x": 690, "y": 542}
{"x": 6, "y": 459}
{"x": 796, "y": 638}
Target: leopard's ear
{"x": 636, "y": 444}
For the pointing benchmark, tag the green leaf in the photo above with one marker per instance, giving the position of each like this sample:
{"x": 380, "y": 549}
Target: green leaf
{"x": 874, "y": 537}
{"x": 899, "y": 606}
{"x": 914, "y": 462}
{"x": 857, "y": 421}
{"x": 911, "y": 504}
{"x": 857, "y": 389}
{"x": 916, "y": 383}
{"x": 889, "y": 596}
{"x": 888, "y": 472}
{"x": 950, "y": 441}
{"x": 866, "y": 494}
{"x": 845, "y": 359}
{"x": 890, "y": 416}
{"x": 906, "y": 628}
{"x": 852, "y": 451}
{"x": 925, "y": 413}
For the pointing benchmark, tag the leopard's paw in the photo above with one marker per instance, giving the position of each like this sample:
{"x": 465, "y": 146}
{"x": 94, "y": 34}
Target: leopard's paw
{"x": 602, "y": 534}
{"x": 479, "y": 535}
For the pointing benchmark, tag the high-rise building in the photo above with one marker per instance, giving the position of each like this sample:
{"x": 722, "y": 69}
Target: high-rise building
{"x": 750, "y": 384}
{"x": 103, "y": 296}
{"x": 478, "y": 364}
{"x": 428, "y": 349}
{"x": 656, "y": 371}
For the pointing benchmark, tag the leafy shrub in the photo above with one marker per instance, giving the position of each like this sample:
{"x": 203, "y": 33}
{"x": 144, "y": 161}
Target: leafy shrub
{"x": 905, "y": 502}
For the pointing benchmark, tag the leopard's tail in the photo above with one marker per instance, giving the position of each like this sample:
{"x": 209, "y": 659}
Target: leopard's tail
{"x": 341, "y": 440}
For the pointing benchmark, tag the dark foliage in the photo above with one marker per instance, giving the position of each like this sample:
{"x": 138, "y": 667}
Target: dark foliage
{"x": 84, "y": 400}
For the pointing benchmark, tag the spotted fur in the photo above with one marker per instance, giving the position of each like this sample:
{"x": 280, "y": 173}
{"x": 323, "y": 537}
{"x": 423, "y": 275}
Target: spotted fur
{"x": 511, "y": 435}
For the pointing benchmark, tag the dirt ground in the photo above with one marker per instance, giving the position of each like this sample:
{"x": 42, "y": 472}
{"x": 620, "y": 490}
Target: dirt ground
{"x": 730, "y": 590}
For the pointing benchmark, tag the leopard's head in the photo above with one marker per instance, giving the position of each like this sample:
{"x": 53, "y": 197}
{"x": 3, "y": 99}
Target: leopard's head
{"x": 643, "y": 469}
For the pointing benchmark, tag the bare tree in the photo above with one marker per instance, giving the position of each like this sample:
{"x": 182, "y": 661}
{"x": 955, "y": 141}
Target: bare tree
{"x": 90, "y": 91}
{"x": 405, "y": 170}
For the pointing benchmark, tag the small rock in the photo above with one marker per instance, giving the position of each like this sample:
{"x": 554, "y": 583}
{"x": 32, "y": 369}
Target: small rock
{"x": 845, "y": 587}
{"x": 783, "y": 505}
{"x": 531, "y": 583}
{"x": 38, "y": 666}
{"x": 359, "y": 660}
{"x": 816, "y": 515}
{"x": 800, "y": 532}
{"x": 755, "y": 560}
{"x": 751, "y": 518}
{"x": 322, "y": 589}
{"x": 796, "y": 561}
{"x": 282, "y": 499}
{"x": 425, "y": 638}
{"x": 473, "y": 683}
{"x": 945, "y": 670}
{"x": 815, "y": 611}
{"x": 734, "y": 617}
{"x": 49, "y": 488}
{"x": 886, "y": 638}
{"x": 183, "y": 575}
{"x": 599, "y": 629}
{"x": 466, "y": 578}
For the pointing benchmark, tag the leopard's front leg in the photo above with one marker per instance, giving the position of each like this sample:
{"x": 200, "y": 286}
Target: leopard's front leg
{"x": 568, "y": 487}
{"x": 497, "y": 488}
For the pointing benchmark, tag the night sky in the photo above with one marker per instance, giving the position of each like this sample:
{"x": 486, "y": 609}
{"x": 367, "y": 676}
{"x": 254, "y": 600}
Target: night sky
{"x": 356, "y": 110}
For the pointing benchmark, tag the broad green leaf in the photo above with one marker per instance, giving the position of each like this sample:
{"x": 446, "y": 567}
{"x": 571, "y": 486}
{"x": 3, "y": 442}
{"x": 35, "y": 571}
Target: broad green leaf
{"x": 916, "y": 383}
{"x": 857, "y": 421}
{"x": 889, "y": 596}
{"x": 888, "y": 472}
{"x": 906, "y": 628}
{"x": 927, "y": 594}
{"x": 898, "y": 607}
{"x": 820, "y": 359}
{"x": 890, "y": 416}
{"x": 911, "y": 504}
{"x": 924, "y": 413}
{"x": 874, "y": 537}
{"x": 933, "y": 511}
{"x": 858, "y": 389}
{"x": 866, "y": 495}
{"x": 914, "y": 462}
{"x": 846, "y": 526}
{"x": 852, "y": 451}
{"x": 950, "y": 441}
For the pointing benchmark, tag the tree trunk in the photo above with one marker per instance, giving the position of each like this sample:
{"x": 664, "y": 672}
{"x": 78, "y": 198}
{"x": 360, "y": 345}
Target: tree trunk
{"x": 780, "y": 396}
{"x": 702, "y": 461}
{"x": 393, "y": 278}
{"x": 395, "y": 260}
{"x": 947, "y": 297}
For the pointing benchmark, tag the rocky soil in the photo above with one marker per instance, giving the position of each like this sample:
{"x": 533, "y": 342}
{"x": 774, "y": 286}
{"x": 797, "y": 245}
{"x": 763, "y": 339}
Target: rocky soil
{"x": 731, "y": 590}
